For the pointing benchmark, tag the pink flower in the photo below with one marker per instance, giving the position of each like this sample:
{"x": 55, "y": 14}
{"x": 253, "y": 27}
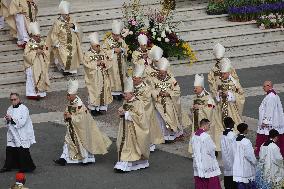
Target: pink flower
{"x": 134, "y": 23}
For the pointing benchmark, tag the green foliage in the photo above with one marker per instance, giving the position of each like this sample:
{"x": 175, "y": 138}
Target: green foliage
{"x": 216, "y": 8}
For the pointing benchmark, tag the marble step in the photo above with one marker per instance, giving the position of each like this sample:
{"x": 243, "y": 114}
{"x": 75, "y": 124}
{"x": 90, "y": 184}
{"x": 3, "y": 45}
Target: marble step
{"x": 197, "y": 45}
{"x": 245, "y": 62}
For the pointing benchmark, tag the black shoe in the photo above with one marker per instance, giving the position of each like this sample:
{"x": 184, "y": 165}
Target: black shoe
{"x": 67, "y": 73}
{"x": 120, "y": 97}
{"x": 3, "y": 170}
{"x": 60, "y": 161}
{"x": 216, "y": 154}
{"x": 85, "y": 164}
{"x": 95, "y": 113}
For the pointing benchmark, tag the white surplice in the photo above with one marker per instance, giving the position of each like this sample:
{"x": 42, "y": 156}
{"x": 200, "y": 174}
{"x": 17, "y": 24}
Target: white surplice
{"x": 227, "y": 144}
{"x": 20, "y": 134}
{"x": 205, "y": 164}
{"x": 272, "y": 161}
{"x": 244, "y": 161}
{"x": 271, "y": 113}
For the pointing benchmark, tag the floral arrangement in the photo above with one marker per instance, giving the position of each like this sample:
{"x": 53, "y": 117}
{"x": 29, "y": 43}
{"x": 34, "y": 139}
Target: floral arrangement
{"x": 252, "y": 12}
{"x": 271, "y": 21}
{"x": 134, "y": 24}
{"x": 158, "y": 25}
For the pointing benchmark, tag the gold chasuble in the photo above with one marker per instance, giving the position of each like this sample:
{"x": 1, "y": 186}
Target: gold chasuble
{"x": 39, "y": 64}
{"x": 231, "y": 108}
{"x": 83, "y": 133}
{"x": 117, "y": 72}
{"x": 214, "y": 77}
{"x": 168, "y": 107}
{"x": 28, "y": 8}
{"x": 97, "y": 78}
{"x": 143, "y": 92}
{"x": 133, "y": 140}
{"x": 141, "y": 57}
{"x": 65, "y": 44}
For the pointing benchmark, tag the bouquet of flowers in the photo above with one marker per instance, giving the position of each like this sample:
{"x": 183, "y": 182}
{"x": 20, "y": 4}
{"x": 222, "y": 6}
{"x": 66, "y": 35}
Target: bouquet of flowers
{"x": 159, "y": 27}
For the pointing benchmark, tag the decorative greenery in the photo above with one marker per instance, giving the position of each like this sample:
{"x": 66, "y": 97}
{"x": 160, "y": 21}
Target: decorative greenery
{"x": 216, "y": 8}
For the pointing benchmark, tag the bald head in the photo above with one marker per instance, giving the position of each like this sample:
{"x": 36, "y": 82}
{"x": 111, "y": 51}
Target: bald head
{"x": 267, "y": 85}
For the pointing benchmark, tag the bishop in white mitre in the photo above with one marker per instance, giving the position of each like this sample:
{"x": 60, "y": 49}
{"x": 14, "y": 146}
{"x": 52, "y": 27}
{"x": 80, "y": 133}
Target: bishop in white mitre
{"x": 97, "y": 62}
{"x": 215, "y": 74}
{"x": 64, "y": 40}
{"x": 117, "y": 72}
{"x": 83, "y": 138}
{"x": 230, "y": 95}
{"x": 205, "y": 164}
{"x": 133, "y": 139}
{"x": 36, "y": 62}
{"x": 143, "y": 92}
{"x": 271, "y": 116}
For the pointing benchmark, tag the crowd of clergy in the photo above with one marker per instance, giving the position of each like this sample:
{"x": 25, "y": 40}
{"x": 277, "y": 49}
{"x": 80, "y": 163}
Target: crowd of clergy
{"x": 151, "y": 113}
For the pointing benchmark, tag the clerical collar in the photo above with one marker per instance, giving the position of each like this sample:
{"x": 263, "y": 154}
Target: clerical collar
{"x": 268, "y": 142}
{"x": 240, "y": 137}
{"x": 271, "y": 91}
{"x": 227, "y": 130}
{"x": 93, "y": 51}
{"x": 201, "y": 94}
{"x": 17, "y": 105}
{"x": 199, "y": 132}
{"x": 132, "y": 99}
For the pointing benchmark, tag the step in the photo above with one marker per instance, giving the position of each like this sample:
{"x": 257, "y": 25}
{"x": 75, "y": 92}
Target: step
{"x": 106, "y": 16}
{"x": 181, "y": 70}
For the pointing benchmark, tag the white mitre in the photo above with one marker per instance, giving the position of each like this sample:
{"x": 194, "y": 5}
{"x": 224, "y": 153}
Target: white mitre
{"x": 156, "y": 53}
{"x": 72, "y": 86}
{"x": 128, "y": 85}
{"x": 116, "y": 27}
{"x": 199, "y": 80}
{"x": 94, "y": 38}
{"x": 219, "y": 51}
{"x": 139, "y": 70}
{"x": 226, "y": 65}
{"x": 163, "y": 64}
{"x": 64, "y": 7}
{"x": 142, "y": 39}
{"x": 34, "y": 28}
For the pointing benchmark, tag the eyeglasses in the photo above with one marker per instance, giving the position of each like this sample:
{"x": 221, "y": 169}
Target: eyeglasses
{"x": 13, "y": 99}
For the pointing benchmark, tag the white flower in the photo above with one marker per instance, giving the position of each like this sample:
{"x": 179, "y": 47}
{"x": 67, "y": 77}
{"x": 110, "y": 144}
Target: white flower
{"x": 262, "y": 27}
{"x": 167, "y": 40}
{"x": 163, "y": 34}
{"x": 177, "y": 34}
{"x": 159, "y": 39}
{"x": 153, "y": 30}
{"x": 273, "y": 20}
{"x": 131, "y": 33}
{"x": 154, "y": 33}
